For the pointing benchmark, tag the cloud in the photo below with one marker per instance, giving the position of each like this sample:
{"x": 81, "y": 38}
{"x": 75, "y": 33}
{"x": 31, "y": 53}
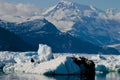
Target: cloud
{"x": 19, "y": 9}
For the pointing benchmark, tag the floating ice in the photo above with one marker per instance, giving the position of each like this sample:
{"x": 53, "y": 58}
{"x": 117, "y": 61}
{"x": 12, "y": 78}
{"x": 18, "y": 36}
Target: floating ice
{"x": 101, "y": 68}
{"x": 45, "y": 53}
{"x": 60, "y": 65}
{"x": 21, "y": 62}
{"x": 98, "y": 57}
{"x": 106, "y": 63}
{"x": 47, "y": 65}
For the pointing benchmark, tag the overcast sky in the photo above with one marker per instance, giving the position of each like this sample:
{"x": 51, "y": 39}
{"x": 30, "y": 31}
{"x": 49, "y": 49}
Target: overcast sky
{"x": 101, "y": 4}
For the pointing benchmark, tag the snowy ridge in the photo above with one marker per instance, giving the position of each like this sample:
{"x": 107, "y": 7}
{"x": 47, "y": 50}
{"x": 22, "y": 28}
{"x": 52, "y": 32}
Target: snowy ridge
{"x": 48, "y": 10}
{"x": 116, "y": 46}
{"x": 113, "y": 13}
{"x": 68, "y": 13}
{"x": 19, "y": 19}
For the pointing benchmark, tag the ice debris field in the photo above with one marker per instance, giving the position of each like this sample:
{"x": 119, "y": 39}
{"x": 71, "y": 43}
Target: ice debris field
{"x": 42, "y": 62}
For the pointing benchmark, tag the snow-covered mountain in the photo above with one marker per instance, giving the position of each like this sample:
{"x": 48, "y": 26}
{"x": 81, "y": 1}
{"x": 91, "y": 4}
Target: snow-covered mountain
{"x": 41, "y": 31}
{"x": 113, "y": 13}
{"x": 67, "y": 27}
{"x": 97, "y": 31}
{"x": 86, "y": 22}
{"x": 65, "y": 14}
{"x": 116, "y": 46}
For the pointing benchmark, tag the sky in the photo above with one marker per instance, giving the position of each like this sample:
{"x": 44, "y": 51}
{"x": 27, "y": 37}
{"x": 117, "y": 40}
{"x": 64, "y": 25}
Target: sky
{"x": 42, "y": 4}
{"x": 29, "y": 8}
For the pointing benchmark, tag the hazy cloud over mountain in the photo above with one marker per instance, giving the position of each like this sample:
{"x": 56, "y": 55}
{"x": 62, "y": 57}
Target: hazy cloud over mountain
{"x": 18, "y": 9}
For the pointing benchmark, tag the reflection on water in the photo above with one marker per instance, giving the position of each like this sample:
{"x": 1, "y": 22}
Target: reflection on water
{"x": 36, "y": 77}
{"x": 109, "y": 76}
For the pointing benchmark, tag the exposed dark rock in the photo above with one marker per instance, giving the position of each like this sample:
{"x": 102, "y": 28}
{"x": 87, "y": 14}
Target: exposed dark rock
{"x": 87, "y": 67}
{"x": 32, "y": 60}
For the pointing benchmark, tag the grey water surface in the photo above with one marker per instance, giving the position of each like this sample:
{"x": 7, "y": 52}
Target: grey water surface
{"x": 14, "y": 76}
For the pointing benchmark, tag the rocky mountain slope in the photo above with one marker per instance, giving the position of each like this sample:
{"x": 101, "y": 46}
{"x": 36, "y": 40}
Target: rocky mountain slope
{"x": 11, "y": 42}
{"x": 69, "y": 27}
{"x": 41, "y": 31}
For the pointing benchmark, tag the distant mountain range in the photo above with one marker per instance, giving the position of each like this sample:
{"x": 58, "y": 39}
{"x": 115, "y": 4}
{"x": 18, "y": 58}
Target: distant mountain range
{"x": 67, "y": 27}
{"x": 86, "y": 22}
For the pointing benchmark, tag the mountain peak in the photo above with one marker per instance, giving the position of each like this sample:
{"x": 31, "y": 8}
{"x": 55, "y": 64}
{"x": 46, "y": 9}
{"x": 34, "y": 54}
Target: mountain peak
{"x": 112, "y": 10}
{"x": 68, "y": 12}
{"x": 64, "y": 3}
{"x": 93, "y": 8}
{"x": 73, "y": 5}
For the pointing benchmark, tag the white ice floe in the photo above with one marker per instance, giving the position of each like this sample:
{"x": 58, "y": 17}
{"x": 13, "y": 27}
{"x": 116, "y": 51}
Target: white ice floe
{"x": 107, "y": 63}
{"x": 43, "y": 62}
{"x": 47, "y": 65}
{"x": 60, "y": 65}
{"x": 98, "y": 57}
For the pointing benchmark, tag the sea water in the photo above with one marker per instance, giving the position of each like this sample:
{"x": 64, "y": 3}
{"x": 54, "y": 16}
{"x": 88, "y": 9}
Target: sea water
{"x": 14, "y": 76}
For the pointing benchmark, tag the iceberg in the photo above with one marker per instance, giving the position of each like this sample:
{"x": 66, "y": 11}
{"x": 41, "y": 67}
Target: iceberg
{"x": 43, "y": 63}
{"x": 101, "y": 69}
{"x": 6, "y": 58}
{"x": 63, "y": 65}
{"x": 98, "y": 57}
{"x": 60, "y": 65}
{"x": 106, "y": 63}
{"x": 18, "y": 60}
{"x": 44, "y": 53}
{"x": 47, "y": 65}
